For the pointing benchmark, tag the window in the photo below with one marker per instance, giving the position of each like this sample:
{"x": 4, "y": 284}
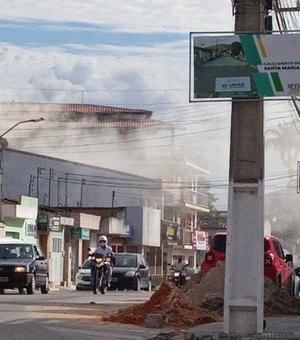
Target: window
{"x": 31, "y": 229}
{"x": 278, "y": 249}
{"x": 219, "y": 243}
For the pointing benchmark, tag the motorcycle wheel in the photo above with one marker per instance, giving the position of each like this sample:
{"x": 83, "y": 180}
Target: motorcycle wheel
{"x": 102, "y": 284}
{"x": 95, "y": 283}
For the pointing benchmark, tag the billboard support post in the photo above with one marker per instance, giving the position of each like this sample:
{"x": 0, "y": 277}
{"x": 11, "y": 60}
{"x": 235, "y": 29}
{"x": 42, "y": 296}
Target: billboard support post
{"x": 243, "y": 295}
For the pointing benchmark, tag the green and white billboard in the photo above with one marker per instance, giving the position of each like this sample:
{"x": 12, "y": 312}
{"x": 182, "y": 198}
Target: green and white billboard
{"x": 244, "y": 66}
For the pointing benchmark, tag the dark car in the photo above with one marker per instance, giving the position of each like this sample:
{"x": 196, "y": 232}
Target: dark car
{"x": 23, "y": 266}
{"x": 130, "y": 271}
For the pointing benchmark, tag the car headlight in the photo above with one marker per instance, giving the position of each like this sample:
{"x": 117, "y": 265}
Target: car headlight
{"x": 130, "y": 273}
{"x": 21, "y": 269}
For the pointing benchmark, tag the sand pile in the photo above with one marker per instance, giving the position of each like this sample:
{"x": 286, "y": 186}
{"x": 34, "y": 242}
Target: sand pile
{"x": 207, "y": 291}
{"x": 179, "y": 311}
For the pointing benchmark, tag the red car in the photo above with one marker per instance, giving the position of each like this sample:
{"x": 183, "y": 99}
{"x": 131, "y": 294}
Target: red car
{"x": 278, "y": 267}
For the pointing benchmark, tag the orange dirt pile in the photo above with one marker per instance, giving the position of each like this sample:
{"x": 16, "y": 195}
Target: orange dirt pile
{"x": 178, "y": 310}
{"x": 201, "y": 301}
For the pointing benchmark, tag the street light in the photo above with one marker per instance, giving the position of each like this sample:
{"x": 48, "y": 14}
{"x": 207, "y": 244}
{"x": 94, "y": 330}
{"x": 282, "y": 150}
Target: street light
{"x": 22, "y": 122}
{"x": 3, "y": 145}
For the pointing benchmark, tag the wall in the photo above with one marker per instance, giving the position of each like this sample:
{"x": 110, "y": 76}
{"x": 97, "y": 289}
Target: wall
{"x": 72, "y": 184}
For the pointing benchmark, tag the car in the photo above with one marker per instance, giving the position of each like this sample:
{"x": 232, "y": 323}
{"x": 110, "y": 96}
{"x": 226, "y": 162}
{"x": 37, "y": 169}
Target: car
{"x": 277, "y": 266}
{"x": 23, "y": 266}
{"x": 130, "y": 271}
{"x": 83, "y": 276}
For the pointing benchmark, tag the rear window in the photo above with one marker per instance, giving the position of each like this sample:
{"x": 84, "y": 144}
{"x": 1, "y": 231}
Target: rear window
{"x": 125, "y": 261}
{"x": 219, "y": 243}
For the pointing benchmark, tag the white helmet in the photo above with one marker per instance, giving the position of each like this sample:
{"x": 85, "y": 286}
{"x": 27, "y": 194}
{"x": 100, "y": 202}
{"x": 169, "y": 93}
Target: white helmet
{"x": 102, "y": 238}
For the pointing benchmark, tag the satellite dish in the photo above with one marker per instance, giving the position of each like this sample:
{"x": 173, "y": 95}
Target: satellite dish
{"x": 3, "y": 143}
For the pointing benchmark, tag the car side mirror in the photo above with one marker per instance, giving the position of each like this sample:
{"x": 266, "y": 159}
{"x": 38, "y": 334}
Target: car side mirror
{"x": 142, "y": 266}
{"x": 41, "y": 258}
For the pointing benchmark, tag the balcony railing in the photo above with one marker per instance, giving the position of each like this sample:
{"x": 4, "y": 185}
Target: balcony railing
{"x": 196, "y": 198}
{"x": 176, "y": 197}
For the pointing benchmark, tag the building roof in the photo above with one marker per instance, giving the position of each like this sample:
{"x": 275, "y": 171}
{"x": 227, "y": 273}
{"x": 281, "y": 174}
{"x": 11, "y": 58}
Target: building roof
{"x": 106, "y": 116}
{"x": 81, "y": 108}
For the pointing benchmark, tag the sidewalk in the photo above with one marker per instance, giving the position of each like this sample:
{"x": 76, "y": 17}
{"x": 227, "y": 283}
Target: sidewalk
{"x": 282, "y": 327}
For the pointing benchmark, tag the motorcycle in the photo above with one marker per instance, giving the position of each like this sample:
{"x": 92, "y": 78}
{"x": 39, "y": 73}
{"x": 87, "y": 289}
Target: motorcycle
{"x": 177, "y": 276}
{"x": 100, "y": 268}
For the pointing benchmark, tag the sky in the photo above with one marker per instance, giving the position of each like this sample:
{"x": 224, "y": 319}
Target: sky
{"x": 132, "y": 54}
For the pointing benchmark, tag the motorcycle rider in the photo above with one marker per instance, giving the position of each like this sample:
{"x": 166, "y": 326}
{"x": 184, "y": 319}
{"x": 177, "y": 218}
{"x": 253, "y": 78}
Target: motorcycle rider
{"x": 179, "y": 265}
{"x": 106, "y": 251}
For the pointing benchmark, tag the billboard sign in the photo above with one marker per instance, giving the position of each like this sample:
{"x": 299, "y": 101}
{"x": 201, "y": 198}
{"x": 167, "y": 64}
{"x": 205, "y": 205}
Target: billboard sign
{"x": 244, "y": 66}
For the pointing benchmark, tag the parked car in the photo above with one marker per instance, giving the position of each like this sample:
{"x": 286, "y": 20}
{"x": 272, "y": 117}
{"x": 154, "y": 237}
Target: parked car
{"x": 83, "y": 276}
{"x": 130, "y": 271}
{"x": 277, "y": 266}
{"x": 23, "y": 266}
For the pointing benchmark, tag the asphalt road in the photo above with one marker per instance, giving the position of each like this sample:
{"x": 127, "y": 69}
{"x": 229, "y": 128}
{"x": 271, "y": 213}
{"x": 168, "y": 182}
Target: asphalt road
{"x": 65, "y": 314}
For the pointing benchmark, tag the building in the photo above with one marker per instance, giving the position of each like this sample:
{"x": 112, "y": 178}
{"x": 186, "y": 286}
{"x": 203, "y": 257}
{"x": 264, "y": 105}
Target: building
{"x": 173, "y": 179}
{"x": 65, "y": 232}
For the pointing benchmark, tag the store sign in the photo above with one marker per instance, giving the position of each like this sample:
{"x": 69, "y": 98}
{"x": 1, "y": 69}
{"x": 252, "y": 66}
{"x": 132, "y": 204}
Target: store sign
{"x": 54, "y": 224}
{"x": 68, "y": 221}
{"x": 42, "y": 223}
{"x": 244, "y": 66}
{"x": 80, "y": 233}
{"x": 170, "y": 232}
{"x": 201, "y": 240}
{"x": 85, "y": 233}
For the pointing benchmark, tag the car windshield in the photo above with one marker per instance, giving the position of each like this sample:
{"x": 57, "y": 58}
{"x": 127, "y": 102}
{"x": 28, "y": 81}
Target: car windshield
{"x": 266, "y": 245}
{"x": 86, "y": 264}
{"x": 126, "y": 261}
{"x": 13, "y": 251}
{"x": 219, "y": 243}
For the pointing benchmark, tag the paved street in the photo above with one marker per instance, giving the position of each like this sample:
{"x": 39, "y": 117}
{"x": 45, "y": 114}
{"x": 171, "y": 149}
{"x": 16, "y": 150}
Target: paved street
{"x": 69, "y": 314}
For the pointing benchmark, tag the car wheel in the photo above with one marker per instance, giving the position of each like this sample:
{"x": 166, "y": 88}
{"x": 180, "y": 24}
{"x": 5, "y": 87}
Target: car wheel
{"x": 149, "y": 288}
{"x": 21, "y": 290}
{"x": 31, "y": 287}
{"x": 137, "y": 284}
{"x": 77, "y": 287}
{"x": 45, "y": 287}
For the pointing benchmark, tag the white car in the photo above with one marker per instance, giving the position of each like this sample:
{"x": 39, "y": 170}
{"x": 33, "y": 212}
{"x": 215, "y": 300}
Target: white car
{"x": 83, "y": 276}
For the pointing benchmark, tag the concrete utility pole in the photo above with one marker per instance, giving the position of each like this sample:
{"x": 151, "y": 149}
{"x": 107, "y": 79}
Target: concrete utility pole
{"x": 244, "y": 268}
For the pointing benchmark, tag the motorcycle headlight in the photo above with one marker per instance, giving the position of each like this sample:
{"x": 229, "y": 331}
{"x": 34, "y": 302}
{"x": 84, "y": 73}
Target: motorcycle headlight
{"x": 177, "y": 274}
{"x": 20, "y": 269}
{"x": 130, "y": 273}
{"x": 98, "y": 260}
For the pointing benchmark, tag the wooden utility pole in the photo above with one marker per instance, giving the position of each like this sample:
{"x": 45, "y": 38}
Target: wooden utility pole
{"x": 244, "y": 268}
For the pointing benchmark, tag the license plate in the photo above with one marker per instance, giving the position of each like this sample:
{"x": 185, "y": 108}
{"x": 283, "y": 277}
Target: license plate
{"x": 114, "y": 279}
{"x": 3, "y": 278}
